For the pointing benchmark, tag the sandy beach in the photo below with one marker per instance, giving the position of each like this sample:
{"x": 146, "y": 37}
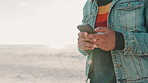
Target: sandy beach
{"x": 40, "y": 64}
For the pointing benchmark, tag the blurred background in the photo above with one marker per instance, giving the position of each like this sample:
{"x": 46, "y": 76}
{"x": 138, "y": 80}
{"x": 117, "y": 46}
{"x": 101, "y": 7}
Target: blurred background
{"x": 38, "y": 41}
{"x": 50, "y": 22}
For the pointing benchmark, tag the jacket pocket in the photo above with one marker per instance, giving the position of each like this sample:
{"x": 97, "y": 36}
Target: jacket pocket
{"x": 134, "y": 68}
{"x": 130, "y": 14}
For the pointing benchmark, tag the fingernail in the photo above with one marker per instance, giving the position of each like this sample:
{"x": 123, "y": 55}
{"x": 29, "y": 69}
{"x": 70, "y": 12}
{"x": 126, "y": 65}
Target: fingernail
{"x": 97, "y": 28}
{"x": 95, "y": 46}
{"x": 87, "y": 39}
{"x": 94, "y": 40}
{"x": 85, "y": 34}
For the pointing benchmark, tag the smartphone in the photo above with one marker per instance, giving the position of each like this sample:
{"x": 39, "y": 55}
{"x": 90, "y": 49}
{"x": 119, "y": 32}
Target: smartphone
{"x": 86, "y": 28}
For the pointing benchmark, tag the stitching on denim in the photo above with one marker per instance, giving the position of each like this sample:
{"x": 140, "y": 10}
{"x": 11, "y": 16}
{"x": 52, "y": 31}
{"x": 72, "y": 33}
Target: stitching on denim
{"x": 132, "y": 80}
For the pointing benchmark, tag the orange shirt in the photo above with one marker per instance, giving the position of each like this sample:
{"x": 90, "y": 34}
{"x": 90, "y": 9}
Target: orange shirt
{"x": 102, "y": 16}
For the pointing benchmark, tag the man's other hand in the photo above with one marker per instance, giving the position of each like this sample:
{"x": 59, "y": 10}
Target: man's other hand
{"x": 105, "y": 38}
{"x": 84, "y": 43}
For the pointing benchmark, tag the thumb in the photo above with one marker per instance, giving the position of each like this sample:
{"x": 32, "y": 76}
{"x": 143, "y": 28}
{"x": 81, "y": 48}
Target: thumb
{"x": 101, "y": 29}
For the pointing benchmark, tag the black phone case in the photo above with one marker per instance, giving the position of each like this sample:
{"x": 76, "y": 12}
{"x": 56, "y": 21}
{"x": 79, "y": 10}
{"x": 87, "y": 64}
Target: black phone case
{"x": 86, "y": 28}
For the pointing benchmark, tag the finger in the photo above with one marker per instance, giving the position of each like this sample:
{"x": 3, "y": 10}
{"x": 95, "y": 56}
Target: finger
{"x": 94, "y": 40}
{"x": 85, "y": 47}
{"x": 88, "y": 48}
{"x": 102, "y": 29}
{"x": 93, "y": 36}
{"x": 85, "y": 44}
{"x": 82, "y": 34}
{"x": 95, "y": 46}
{"x": 82, "y": 39}
{"x": 90, "y": 44}
{"x": 97, "y": 36}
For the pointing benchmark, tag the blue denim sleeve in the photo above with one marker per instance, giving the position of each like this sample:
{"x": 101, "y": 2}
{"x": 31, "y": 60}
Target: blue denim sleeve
{"x": 82, "y": 52}
{"x": 137, "y": 43}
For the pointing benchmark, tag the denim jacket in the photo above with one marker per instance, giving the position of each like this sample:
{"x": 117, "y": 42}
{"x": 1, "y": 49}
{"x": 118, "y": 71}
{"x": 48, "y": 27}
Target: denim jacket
{"x": 129, "y": 17}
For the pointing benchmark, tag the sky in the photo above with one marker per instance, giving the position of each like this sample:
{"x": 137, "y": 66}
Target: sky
{"x": 48, "y": 22}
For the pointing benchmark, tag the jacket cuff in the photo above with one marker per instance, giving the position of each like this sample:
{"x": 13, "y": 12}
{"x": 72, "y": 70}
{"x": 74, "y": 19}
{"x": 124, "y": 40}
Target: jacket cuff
{"x": 119, "y": 44}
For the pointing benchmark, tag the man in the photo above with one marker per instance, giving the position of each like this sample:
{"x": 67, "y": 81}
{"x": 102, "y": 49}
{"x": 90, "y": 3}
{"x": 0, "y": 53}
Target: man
{"x": 120, "y": 55}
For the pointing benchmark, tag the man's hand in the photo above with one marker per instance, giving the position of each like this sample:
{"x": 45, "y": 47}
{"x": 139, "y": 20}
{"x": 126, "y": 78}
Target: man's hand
{"x": 105, "y": 38}
{"x": 84, "y": 42}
